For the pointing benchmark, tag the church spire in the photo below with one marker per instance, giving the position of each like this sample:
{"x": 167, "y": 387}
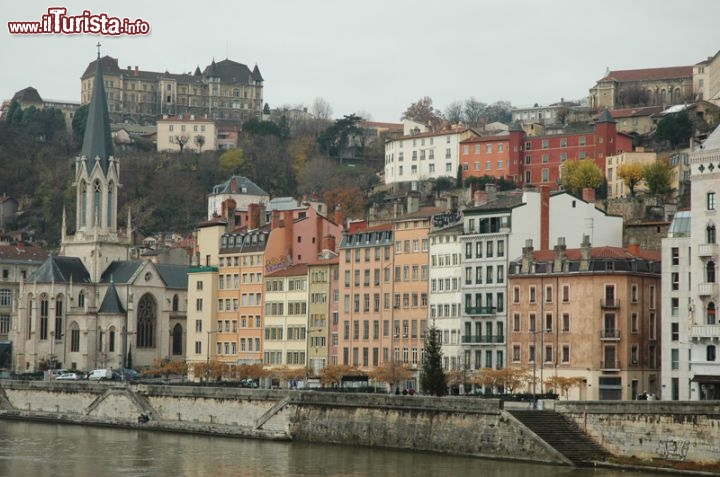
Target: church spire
{"x": 97, "y": 141}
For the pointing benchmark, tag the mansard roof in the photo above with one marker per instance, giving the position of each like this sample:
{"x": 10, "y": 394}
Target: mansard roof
{"x": 238, "y": 185}
{"x": 61, "y": 270}
{"x": 97, "y": 141}
{"x": 111, "y": 303}
{"x": 231, "y": 72}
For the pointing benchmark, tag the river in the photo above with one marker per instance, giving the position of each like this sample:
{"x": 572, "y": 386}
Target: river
{"x": 61, "y": 450}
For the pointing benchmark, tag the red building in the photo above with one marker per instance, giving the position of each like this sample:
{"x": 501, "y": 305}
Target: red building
{"x": 537, "y": 160}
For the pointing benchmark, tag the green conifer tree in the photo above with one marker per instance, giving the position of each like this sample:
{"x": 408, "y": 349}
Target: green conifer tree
{"x": 432, "y": 377}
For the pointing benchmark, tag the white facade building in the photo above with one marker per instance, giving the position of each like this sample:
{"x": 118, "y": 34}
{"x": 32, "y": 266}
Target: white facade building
{"x": 445, "y": 299}
{"x": 573, "y": 218}
{"x": 422, "y": 155}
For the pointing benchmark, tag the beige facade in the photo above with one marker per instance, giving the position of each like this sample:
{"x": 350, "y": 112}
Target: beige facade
{"x": 616, "y": 187}
{"x": 706, "y": 79}
{"x": 643, "y": 87}
{"x": 592, "y": 314}
{"x": 223, "y": 90}
{"x": 191, "y": 132}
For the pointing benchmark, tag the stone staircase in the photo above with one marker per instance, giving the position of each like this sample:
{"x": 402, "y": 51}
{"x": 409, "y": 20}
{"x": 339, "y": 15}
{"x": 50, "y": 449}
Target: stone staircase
{"x": 563, "y": 435}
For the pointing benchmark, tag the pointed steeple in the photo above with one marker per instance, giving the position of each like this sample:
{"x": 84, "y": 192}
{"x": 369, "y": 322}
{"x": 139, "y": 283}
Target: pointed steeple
{"x": 111, "y": 302}
{"x": 256, "y": 74}
{"x": 97, "y": 141}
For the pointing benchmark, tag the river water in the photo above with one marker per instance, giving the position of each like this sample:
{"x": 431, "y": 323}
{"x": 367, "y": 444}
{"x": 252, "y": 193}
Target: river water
{"x": 60, "y": 450}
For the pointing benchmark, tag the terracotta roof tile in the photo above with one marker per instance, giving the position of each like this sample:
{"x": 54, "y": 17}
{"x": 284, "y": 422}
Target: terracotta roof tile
{"x": 672, "y": 72}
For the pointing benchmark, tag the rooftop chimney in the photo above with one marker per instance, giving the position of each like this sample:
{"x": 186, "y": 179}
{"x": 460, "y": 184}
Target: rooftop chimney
{"x": 588, "y": 195}
{"x": 528, "y": 258}
{"x": 480, "y": 198}
{"x": 560, "y": 254}
{"x": 633, "y": 247}
{"x": 585, "y": 252}
{"x": 491, "y": 190}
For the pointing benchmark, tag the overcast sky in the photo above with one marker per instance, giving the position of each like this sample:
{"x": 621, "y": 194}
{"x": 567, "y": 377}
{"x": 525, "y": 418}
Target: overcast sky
{"x": 375, "y": 56}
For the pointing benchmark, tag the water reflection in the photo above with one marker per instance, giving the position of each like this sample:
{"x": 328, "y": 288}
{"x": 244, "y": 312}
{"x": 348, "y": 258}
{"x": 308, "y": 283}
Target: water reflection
{"x": 28, "y": 449}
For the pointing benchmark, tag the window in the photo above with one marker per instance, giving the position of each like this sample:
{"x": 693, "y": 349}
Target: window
{"x": 565, "y": 358}
{"x": 565, "y": 293}
{"x": 566, "y": 322}
{"x": 5, "y": 297}
{"x": 674, "y": 331}
{"x": 146, "y": 322}
{"x": 532, "y": 294}
{"x": 710, "y": 314}
{"x": 74, "y": 337}
{"x": 516, "y": 322}
{"x": 675, "y": 254}
{"x": 711, "y": 201}
{"x": 516, "y": 353}
{"x": 710, "y": 235}
{"x": 709, "y": 273}
{"x": 710, "y": 353}
{"x": 675, "y": 358}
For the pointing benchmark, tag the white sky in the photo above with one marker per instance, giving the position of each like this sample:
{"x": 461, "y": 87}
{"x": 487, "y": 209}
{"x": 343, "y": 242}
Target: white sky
{"x": 375, "y": 56}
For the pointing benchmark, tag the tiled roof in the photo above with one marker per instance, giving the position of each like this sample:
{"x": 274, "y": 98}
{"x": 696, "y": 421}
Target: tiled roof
{"x": 444, "y": 132}
{"x": 493, "y": 138}
{"x": 27, "y": 95}
{"x": 27, "y": 253}
{"x": 599, "y": 253}
{"x": 61, "y": 270}
{"x": 629, "y": 112}
{"x": 650, "y": 74}
{"x": 291, "y": 271}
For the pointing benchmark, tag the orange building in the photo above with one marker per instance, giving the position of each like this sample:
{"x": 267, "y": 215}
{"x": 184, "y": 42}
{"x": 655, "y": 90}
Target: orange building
{"x": 590, "y": 313}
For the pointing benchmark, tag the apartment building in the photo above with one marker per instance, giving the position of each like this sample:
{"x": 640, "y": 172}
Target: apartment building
{"x": 422, "y": 154}
{"x": 445, "y": 298}
{"x": 364, "y": 336}
{"x": 591, "y": 313}
{"x": 530, "y": 160}
{"x": 691, "y": 367}
{"x": 322, "y": 289}
{"x": 286, "y": 317}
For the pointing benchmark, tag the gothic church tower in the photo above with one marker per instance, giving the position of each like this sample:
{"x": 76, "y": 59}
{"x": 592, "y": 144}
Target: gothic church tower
{"x": 97, "y": 179}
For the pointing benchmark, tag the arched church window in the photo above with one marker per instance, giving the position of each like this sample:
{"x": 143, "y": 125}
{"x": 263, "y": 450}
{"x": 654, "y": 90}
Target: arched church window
{"x": 710, "y": 233}
{"x": 74, "y": 337}
{"x": 110, "y": 204}
{"x": 111, "y": 339}
{"x": 176, "y": 303}
{"x": 97, "y": 198}
{"x": 81, "y": 299}
{"x": 59, "y": 332}
{"x": 44, "y": 307}
{"x": 146, "y": 322}
{"x": 83, "y": 204}
{"x": 177, "y": 340}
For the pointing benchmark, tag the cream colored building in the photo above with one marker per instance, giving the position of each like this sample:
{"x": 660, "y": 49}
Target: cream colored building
{"x": 193, "y": 133}
{"x": 286, "y": 317}
{"x": 616, "y": 187}
{"x": 421, "y": 154}
{"x": 706, "y": 79}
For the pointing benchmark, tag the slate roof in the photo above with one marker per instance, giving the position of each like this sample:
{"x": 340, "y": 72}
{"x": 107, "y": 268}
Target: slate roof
{"x": 61, "y": 270}
{"x": 650, "y": 74}
{"x": 242, "y": 182}
{"x": 713, "y": 140}
{"x": 28, "y": 95}
{"x": 502, "y": 202}
{"x": 174, "y": 276}
{"x": 24, "y": 253}
{"x": 606, "y": 117}
{"x": 111, "y": 303}
{"x": 121, "y": 271}
{"x": 97, "y": 141}
{"x": 232, "y": 72}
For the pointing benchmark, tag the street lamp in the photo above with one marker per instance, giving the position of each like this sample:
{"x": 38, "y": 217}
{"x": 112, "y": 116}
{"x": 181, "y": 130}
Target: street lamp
{"x": 207, "y": 360}
{"x": 535, "y": 356}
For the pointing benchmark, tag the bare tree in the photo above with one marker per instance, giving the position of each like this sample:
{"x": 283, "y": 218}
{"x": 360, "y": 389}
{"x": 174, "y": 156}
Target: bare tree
{"x": 199, "y": 142}
{"x": 454, "y": 112}
{"x": 423, "y": 112}
{"x": 321, "y": 109}
{"x": 181, "y": 141}
{"x": 473, "y": 112}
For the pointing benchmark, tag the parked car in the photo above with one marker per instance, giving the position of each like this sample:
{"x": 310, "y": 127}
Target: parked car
{"x": 129, "y": 375}
{"x": 68, "y": 377}
{"x": 101, "y": 375}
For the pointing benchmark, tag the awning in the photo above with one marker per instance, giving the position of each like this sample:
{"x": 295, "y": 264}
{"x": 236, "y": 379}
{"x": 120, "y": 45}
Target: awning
{"x": 706, "y": 379}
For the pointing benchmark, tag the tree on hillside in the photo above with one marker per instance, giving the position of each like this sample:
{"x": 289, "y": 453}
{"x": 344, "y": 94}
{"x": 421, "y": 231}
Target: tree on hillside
{"x": 432, "y": 376}
{"x": 454, "y": 112}
{"x": 478, "y": 183}
{"x": 233, "y": 161}
{"x": 577, "y": 175}
{"x": 321, "y": 109}
{"x": 675, "y": 129}
{"x": 79, "y": 121}
{"x": 500, "y": 111}
{"x": 261, "y": 128}
{"x": 342, "y": 136}
{"x": 442, "y": 184}
{"x": 632, "y": 175}
{"x": 658, "y": 178}
{"x": 423, "y": 112}
{"x": 474, "y": 112}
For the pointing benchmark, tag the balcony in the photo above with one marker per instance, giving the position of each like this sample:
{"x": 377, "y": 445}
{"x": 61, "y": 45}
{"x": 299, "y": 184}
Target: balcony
{"x": 483, "y": 339}
{"x": 610, "y": 335}
{"x": 698, "y": 332}
{"x": 610, "y": 365}
{"x": 708, "y": 250}
{"x": 707, "y": 289}
{"x": 480, "y": 310}
{"x": 610, "y": 303}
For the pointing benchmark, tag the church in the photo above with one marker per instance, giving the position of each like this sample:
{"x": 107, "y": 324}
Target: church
{"x": 91, "y": 306}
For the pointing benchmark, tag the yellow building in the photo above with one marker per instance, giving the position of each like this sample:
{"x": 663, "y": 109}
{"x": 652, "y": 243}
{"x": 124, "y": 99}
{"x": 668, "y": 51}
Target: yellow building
{"x": 186, "y": 133}
{"x": 616, "y": 187}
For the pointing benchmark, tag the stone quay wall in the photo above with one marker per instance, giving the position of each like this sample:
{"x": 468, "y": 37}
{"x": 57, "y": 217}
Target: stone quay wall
{"x": 650, "y": 430}
{"x": 459, "y": 426}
